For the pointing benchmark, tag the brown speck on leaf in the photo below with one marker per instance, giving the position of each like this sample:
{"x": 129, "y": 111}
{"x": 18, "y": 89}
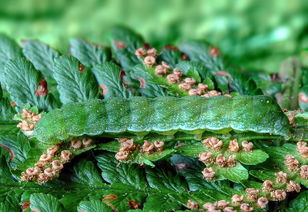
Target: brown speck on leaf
{"x": 110, "y": 197}
{"x": 302, "y": 98}
{"x": 147, "y": 46}
{"x": 81, "y": 68}
{"x": 25, "y": 205}
{"x": 42, "y": 88}
{"x": 184, "y": 57}
{"x": 13, "y": 104}
{"x": 214, "y": 51}
{"x": 133, "y": 204}
{"x": 171, "y": 47}
{"x": 105, "y": 89}
{"x": 12, "y": 154}
{"x": 223, "y": 74}
{"x": 181, "y": 166}
{"x": 120, "y": 44}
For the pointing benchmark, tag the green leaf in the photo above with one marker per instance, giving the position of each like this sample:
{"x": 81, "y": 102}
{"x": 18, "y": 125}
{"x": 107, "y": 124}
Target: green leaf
{"x": 128, "y": 174}
{"x": 160, "y": 203}
{"x": 40, "y": 55}
{"x": 7, "y": 112}
{"x": 192, "y": 69}
{"x": 9, "y": 50}
{"x": 21, "y": 81}
{"x": 235, "y": 174}
{"x": 93, "y": 206}
{"x": 264, "y": 174}
{"x": 252, "y": 158}
{"x": 109, "y": 79}
{"x": 45, "y": 202}
{"x": 199, "y": 51}
{"x": 171, "y": 55}
{"x": 131, "y": 41}
{"x": 192, "y": 149}
{"x": 89, "y": 54}
{"x": 74, "y": 85}
{"x": 163, "y": 177}
{"x": 85, "y": 172}
{"x": 299, "y": 204}
{"x": 191, "y": 169}
{"x": 111, "y": 146}
{"x": 149, "y": 89}
{"x": 5, "y": 173}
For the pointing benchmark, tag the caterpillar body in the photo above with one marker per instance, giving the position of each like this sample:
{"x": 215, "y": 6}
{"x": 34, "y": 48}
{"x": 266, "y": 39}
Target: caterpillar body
{"x": 163, "y": 115}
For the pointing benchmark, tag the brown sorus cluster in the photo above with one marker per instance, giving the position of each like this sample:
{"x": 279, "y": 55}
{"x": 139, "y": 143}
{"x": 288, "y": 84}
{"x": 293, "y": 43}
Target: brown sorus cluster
{"x": 302, "y": 149}
{"x": 237, "y": 203}
{"x": 77, "y": 144}
{"x": 48, "y": 166}
{"x": 213, "y": 143}
{"x": 246, "y": 146}
{"x": 149, "y": 147}
{"x": 29, "y": 120}
{"x": 281, "y": 180}
{"x": 175, "y": 76}
{"x": 127, "y": 146}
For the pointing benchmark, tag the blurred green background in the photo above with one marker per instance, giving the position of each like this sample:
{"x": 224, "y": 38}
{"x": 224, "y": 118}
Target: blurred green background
{"x": 256, "y": 34}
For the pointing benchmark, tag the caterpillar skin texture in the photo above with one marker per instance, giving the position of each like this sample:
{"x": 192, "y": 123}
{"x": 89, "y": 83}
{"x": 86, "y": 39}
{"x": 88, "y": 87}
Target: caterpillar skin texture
{"x": 163, "y": 115}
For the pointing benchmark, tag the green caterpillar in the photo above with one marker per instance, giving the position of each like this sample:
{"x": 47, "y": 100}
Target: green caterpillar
{"x": 163, "y": 115}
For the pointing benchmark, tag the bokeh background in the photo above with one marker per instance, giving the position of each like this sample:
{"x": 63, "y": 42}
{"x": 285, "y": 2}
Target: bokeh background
{"x": 255, "y": 34}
